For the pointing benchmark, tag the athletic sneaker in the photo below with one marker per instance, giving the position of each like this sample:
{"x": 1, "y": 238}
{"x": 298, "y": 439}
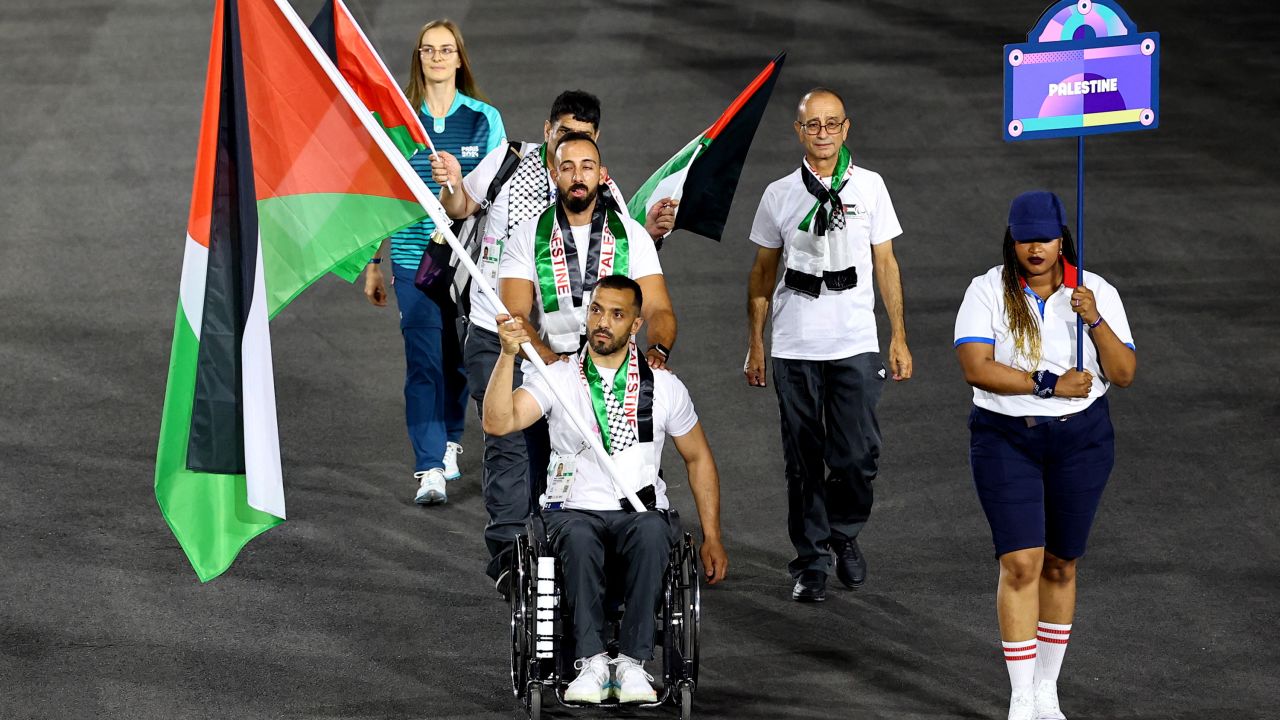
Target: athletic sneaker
{"x": 631, "y": 683}
{"x": 1047, "y": 702}
{"x": 592, "y": 684}
{"x": 1022, "y": 706}
{"x": 430, "y": 487}
{"x": 451, "y": 452}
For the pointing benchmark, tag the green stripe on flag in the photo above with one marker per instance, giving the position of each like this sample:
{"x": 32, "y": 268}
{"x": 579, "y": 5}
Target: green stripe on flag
{"x": 306, "y": 236}
{"x": 209, "y": 514}
{"x": 401, "y": 138}
{"x": 639, "y": 204}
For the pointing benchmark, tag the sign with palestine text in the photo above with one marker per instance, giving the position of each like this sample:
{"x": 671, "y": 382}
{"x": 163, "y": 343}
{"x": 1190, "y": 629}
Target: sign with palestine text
{"x": 1084, "y": 70}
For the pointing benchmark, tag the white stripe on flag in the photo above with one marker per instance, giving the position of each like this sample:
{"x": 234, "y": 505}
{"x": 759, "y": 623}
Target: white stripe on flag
{"x": 671, "y": 186}
{"x": 195, "y": 269}
{"x": 263, "y": 476}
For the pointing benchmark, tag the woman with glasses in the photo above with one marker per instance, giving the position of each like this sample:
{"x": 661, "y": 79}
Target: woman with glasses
{"x": 1041, "y": 442}
{"x": 453, "y": 111}
{"x": 830, "y": 225}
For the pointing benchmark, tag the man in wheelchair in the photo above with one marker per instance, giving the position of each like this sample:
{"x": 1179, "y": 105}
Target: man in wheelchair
{"x": 634, "y": 408}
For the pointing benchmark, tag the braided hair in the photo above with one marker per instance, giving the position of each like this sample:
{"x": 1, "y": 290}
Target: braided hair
{"x": 1022, "y": 320}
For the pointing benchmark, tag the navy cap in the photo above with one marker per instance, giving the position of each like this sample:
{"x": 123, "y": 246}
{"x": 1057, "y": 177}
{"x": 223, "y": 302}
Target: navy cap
{"x": 1036, "y": 215}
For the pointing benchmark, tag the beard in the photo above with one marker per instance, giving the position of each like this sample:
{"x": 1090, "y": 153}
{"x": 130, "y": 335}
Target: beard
{"x": 609, "y": 345}
{"x": 576, "y": 204}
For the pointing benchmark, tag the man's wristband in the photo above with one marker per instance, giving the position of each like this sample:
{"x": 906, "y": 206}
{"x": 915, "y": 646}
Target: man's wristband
{"x": 1045, "y": 382}
{"x": 663, "y": 350}
{"x": 1095, "y": 323}
{"x": 375, "y": 260}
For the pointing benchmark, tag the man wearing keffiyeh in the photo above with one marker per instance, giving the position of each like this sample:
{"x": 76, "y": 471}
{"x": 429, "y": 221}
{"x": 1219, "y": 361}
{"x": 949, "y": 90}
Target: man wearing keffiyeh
{"x": 635, "y": 408}
{"x": 831, "y": 224}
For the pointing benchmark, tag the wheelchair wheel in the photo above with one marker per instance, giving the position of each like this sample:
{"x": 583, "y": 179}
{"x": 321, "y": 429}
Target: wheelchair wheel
{"x": 535, "y": 702}
{"x": 682, "y": 616}
{"x": 521, "y": 617}
{"x": 686, "y": 701}
{"x": 692, "y": 583}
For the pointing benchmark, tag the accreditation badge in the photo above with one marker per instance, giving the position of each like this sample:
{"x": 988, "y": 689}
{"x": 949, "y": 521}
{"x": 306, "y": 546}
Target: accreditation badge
{"x": 490, "y": 258}
{"x": 559, "y": 480}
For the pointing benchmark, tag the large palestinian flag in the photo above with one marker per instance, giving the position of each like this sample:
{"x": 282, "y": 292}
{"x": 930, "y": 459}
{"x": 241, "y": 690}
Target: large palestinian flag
{"x": 292, "y": 177}
{"x": 703, "y": 176}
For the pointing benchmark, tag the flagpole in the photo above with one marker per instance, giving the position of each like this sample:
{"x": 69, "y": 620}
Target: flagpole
{"x": 436, "y": 211}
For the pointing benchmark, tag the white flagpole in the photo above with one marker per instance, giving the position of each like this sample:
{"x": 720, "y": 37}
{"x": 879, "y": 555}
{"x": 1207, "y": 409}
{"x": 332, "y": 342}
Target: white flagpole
{"x": 436, "y": 211}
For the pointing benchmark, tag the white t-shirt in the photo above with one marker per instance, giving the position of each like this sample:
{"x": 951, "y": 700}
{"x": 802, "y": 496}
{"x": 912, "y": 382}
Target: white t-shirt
{"x": 518, "y": 258}
{"x": 982, "y": 319}
{"x": 476, "y": 184}
{"x": 673, "y": 414}
{"x": 833, "y": 325}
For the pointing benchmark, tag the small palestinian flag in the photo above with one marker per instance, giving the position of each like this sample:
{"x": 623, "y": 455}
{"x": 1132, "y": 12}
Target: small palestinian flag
{"x": 292, "y": 177}
{"x": 703, "y": 176}
{"x": 338, "y": 33}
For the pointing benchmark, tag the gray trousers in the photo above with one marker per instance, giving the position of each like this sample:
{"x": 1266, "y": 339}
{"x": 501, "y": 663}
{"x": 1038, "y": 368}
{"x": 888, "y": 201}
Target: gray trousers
{"x": 831, "y": 443}
{"x": 640, "y": 544}
{"x": 505, "y": 483}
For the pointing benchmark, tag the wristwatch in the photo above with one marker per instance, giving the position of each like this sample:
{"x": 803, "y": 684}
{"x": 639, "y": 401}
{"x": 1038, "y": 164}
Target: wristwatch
{"x": 663, "y": 350}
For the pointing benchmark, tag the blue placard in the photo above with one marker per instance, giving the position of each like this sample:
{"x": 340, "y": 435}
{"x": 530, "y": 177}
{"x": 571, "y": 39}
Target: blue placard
{"x": 1084, "y": 70}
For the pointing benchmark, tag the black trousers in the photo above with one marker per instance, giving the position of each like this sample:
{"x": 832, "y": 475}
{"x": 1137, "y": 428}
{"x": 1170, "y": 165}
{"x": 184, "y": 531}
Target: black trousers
{"x": 506, "y": 475}
{"x": 831, "y": 443}
{"x": 641, "y": 542}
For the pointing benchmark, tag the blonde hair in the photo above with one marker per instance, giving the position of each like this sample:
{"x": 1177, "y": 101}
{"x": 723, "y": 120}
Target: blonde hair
{"x": 463, "y": 80}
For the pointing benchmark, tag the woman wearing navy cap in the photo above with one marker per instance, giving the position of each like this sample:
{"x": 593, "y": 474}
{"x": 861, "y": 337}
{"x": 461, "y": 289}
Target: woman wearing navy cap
{"x": 1041, "y": 443}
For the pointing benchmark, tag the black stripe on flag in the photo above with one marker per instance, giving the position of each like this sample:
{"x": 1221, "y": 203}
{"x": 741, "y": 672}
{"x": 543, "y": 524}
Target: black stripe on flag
{"x": 216, "y": 443}
{"x": 325, "y": 32}
{"x": 713, "y": 178}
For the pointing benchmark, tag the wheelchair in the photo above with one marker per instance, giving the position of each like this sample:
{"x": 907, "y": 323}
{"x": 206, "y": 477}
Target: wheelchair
{"x": 542, "y": 645}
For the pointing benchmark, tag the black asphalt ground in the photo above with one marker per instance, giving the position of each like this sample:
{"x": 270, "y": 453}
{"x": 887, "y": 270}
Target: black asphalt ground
{"x": 365, "y": 606}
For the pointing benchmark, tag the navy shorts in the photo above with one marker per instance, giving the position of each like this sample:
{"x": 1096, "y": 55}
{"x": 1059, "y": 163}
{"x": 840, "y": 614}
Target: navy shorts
{"x": 1040, "y": 486}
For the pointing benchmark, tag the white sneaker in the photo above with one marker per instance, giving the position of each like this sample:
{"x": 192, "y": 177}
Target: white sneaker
{"x": 631, "y": 683}
{"x": 592, "y": 684}
{"x": 430, "y": 487}
{"x": 1022, "y": 706}
{"x": 1047, "y": 702}
{"x": 451, "y": 452}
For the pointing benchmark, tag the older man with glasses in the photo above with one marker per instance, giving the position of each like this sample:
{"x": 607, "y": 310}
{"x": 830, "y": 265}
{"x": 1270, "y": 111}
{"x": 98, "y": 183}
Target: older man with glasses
{"x": 831, "y": 225}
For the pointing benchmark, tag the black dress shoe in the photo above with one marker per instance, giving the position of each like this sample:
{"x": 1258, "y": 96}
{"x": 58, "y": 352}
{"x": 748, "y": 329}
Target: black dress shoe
{"x": 851, "y": 564}
{"x": 811, "y": 587}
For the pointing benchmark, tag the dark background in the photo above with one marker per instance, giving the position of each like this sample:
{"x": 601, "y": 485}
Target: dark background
{"x": 364, "y": 605}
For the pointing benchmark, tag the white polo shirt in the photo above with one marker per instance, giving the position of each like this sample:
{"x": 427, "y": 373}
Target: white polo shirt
{"x": 982, "y": 319}
{"x": 833, "y": 325}
{"x": 673, "y": 414}
{"x": 518, "y": 259}
{"x": 476, "y": 185}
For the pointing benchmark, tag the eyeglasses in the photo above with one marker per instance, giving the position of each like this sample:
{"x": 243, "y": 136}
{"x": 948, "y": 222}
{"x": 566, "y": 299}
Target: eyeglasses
{"x": 813, "y": 127}
{"x": 445, "y": 52}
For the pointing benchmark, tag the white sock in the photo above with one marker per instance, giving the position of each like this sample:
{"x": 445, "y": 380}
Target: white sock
{"x": 1051, "y": 646}
{"x": 1020, "y": 660}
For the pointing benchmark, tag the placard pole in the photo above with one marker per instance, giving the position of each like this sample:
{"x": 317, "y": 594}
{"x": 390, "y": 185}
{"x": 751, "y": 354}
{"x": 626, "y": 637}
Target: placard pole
{"x": 1080, "y": 246}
